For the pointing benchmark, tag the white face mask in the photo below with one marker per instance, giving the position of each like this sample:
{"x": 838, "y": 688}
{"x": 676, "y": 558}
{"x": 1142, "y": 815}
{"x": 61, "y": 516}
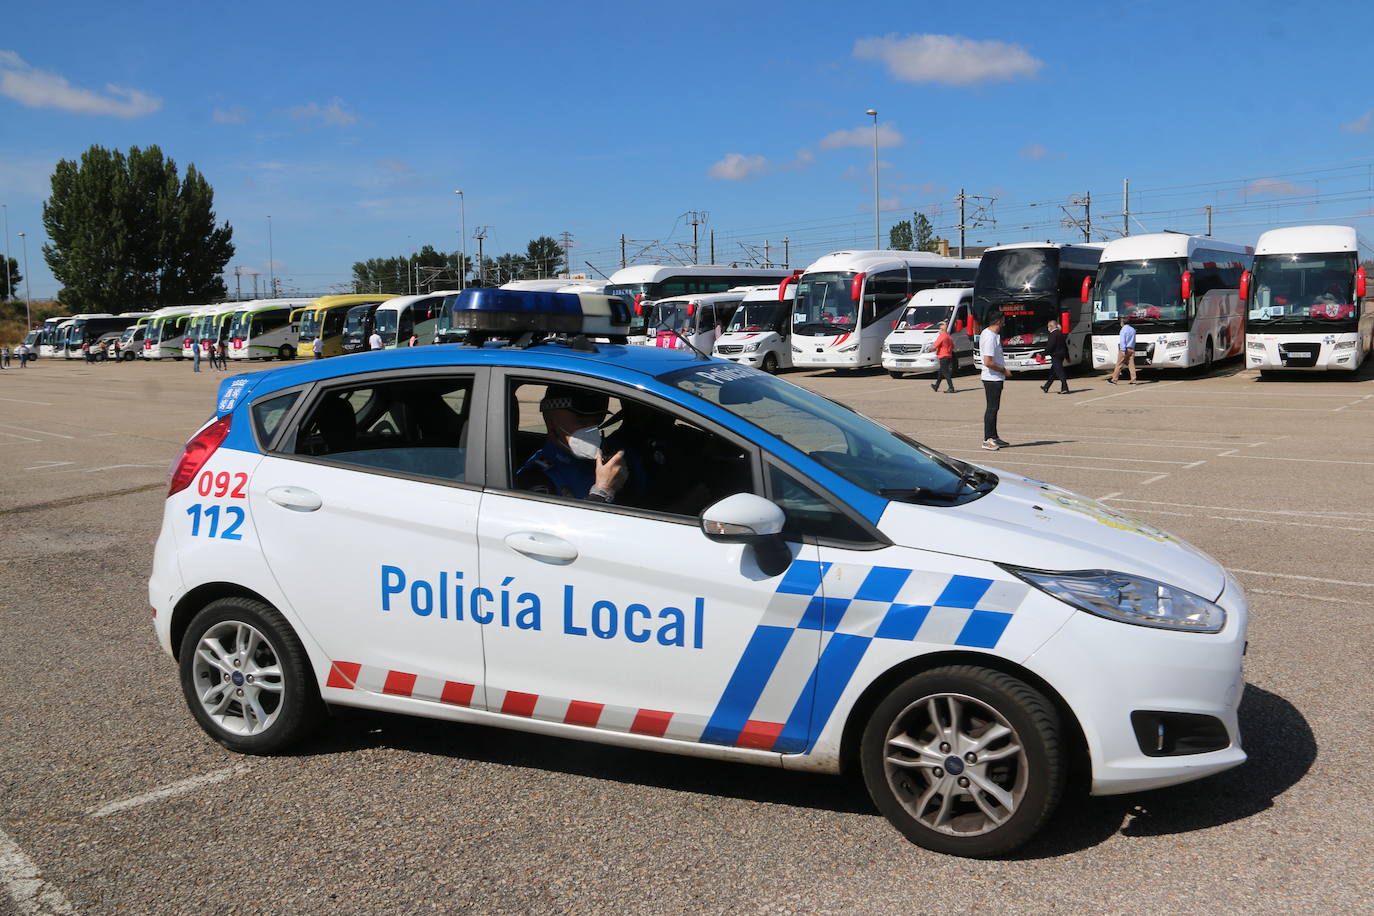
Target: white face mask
{"x": 585, "y": 443}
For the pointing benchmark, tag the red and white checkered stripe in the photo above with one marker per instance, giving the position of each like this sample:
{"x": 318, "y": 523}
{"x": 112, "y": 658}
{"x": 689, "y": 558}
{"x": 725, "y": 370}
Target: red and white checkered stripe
{"x": 655, "y": 723}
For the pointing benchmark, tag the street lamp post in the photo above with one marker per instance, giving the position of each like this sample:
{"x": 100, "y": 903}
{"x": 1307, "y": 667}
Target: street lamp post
{"x": 271, "y": 267}
{"x": 877, "y": 231}
{"x": 463, "y": 241}
{"x": 28, "y": 288}
{"x": 9, "y": 283}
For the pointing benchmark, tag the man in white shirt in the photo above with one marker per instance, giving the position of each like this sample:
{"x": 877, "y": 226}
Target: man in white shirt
{"x": 994, "y": 373}
{"x": 375, "y": 341}
{"x": 1125, "y": 351}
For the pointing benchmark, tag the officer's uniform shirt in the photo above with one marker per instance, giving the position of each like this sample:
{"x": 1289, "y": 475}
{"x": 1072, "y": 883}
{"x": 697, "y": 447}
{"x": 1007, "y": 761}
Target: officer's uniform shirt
{"x": 555, "y": 471}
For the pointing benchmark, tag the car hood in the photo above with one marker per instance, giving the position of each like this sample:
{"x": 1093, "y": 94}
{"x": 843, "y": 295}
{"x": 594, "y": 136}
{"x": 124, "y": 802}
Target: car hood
{"x": 1026, "y": 522}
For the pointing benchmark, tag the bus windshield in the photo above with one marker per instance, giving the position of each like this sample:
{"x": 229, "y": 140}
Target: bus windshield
{"x": 384, "y": 323}
{"x": 671, "y": 314}
{"x": 1022, "y": 284}
{"x": 1150, "y": 293}
{"x": 311, "y": 324}
{"x": 824, "y": 306}
{"x": 1303, "y": 292}
{"x": 759, "y": 317}
{"x": 922, "y": 317}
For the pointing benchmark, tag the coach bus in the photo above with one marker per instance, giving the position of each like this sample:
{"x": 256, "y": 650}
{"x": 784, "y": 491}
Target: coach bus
{"x": 1032, "y": 284}
{"x": 397, "y": 320}
{"x": 266, "y": 329}
{"x": 166, "y": 331}
{"x": 1306, "y": 301}
{"x": 759, "y": 333}
{"x": 641, "y": 284}
{"x": 87, "y": 329}
{"x": 847, "y": 302}
{"x": 206, "y": 326}
{"x": 327, "y": 317}
{"x": 695, "y": 322}
{"x": 47, "y": 335}
{"x": 1180, "y": 293}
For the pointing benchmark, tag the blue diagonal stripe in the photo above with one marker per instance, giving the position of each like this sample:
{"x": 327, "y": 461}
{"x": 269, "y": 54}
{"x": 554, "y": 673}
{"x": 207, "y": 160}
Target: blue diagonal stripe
{"x": 746, "y": 684}
{"x": 963, "y": 592}
{"x": 882, "y": 584}
{"x": 836, "y": 666}
{"x": 803, "y": 577}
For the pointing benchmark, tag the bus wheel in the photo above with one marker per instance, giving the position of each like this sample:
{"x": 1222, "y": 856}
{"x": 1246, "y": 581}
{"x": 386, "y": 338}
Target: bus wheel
{"x": 128, "y": 357}
{"x": 285, "y": 352}
{"x": 770, "y": 364}
{"x": 246, "y": 677}
{"x": 964, "y": 760}
{"x": 1207, "y": 357}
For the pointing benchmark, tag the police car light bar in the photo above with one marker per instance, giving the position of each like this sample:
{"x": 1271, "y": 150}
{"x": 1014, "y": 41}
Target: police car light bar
{"x": 510, "y": 313}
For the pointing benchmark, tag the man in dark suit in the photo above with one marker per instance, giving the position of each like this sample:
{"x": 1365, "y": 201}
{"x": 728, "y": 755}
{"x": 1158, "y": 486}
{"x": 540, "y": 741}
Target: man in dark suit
{"x": 1058, "y": 350}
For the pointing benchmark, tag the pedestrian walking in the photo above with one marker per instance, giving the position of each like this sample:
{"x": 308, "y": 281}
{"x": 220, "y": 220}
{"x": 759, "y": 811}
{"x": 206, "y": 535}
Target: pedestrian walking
{"x": 993, "y": 375}
{"x": 4, "y": 357}
{"x": 317, "y": 347}
{"x": 86, "y": 353}
{"x": 195, "y": 354}
{"x": 23, "y": 351}
{"x": 375, "y": 341}
{"x": 1058, "y": 349}
{"x": 1125, "y": 351}
{"x": 944, "y": 352}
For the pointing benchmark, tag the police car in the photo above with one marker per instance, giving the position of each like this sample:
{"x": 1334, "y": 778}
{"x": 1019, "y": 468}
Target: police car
{"x": 764, "y": 576}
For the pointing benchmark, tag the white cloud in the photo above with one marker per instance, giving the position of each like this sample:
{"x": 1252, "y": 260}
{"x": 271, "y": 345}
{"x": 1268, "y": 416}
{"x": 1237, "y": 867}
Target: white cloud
{"x": 862, "y": 136}
{"x": 42, "y": 89}
{"x": 1034, "y": 151}
{"x": 739, "y": 167}
{"x": 948, "y": 59}
{"x": 1276, "y": 187}
{"x": 1360, "y": 125}
{"x": 229, "y": 116}
{"x": 333, "y": 114}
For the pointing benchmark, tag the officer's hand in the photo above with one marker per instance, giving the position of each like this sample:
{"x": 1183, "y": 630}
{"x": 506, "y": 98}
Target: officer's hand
{"x": 611, "y": 472}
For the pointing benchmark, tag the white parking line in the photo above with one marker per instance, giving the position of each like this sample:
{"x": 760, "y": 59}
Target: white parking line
{"x": 168, "y": 791}
{"x": 22, "y": 401}
{"x": 24, "y": 882}
{"x": 1265, "y": 591}
{"x": 49, "y": 464}
{"x": 1260, "y": 572}
{"x": 1301, "y": 513}
{"x": 1088, "y": 457}
{"x": 1145, "y": 483}
{"x": 1071, "y": 467}
{"x": 41, "y": 432}
{"x": 17, "y": 436}
{"x": 1241, "y": 518}
{"x": 1135, "y": 390}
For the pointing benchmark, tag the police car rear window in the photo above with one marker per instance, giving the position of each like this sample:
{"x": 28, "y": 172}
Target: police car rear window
{"x": 268, "y": 414}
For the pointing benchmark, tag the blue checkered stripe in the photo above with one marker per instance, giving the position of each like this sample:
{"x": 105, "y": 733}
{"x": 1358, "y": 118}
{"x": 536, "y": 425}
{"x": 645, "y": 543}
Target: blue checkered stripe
{"x": 819, "y": 623}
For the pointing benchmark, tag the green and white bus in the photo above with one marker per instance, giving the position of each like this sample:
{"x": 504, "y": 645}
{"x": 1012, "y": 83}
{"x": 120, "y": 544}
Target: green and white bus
{"x": 166, "y": 329}
{"x": 266, "y": 329}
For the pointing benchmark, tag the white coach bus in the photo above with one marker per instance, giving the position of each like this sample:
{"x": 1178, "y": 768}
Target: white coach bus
{"x": 1306, "y": 301}
{"x": 848, "y": 302}
{"x": 641, "y": 284}
{"x": 266, "y": 329}
{"x": 1180, "y": 293}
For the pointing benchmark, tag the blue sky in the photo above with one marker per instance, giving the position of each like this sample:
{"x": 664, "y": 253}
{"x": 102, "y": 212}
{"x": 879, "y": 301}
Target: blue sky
{"x": 352, "y": 124}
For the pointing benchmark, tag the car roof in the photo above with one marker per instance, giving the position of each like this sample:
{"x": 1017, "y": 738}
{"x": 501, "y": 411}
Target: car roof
{"x": 613, "y": 362}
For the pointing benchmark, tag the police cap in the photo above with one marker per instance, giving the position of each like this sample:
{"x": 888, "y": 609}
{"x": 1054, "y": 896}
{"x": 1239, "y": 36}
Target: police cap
{"x": 578, "y": 400}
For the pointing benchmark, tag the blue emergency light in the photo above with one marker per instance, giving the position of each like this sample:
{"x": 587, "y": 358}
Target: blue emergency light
{"x": 515, "y": 313}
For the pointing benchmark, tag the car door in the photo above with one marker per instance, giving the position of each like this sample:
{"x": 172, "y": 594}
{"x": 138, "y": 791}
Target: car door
{"x": 963, "y": 342}
{"x": 634, "y": 621}
{"x": 366, "y": 507}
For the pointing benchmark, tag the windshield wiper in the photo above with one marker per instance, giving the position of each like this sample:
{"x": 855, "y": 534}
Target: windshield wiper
{"x": 918, "y": 493}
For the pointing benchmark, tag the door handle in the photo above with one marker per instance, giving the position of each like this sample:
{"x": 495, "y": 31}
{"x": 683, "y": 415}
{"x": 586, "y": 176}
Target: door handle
{"x": 298, "y": 499}
{"x": 543, "y": 547}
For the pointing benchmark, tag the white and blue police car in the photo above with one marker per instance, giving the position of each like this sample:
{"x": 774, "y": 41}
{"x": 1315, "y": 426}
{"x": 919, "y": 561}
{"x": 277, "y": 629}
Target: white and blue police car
{"x": 660, "y": 550}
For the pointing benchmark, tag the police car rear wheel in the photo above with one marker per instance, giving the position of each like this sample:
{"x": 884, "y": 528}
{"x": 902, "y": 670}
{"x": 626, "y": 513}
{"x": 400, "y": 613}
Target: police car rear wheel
{"x": 964, "y": 760}
{"x": 246, "y": 677}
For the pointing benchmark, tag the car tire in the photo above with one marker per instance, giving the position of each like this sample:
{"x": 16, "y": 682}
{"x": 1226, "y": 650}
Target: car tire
{"x": 246, "y": 677}
{"x": 770, "y": 363}
{"x": 896, "y": 374}
{"x": 284, "y": 353}
{"x": 128, "y": 357}
{"x": 964, "y": 712}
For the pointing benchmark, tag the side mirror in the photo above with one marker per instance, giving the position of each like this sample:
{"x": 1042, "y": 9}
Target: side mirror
{"x": 856, "y": 288}
{"x": 1245, "y": 286}
{"x": 1065, "y": 322}
{"x": 1360, "y": 283}
{"x": 1086, "y": 293}
{"x": 1185, "y": 285}
{"x": 748, "y": 519}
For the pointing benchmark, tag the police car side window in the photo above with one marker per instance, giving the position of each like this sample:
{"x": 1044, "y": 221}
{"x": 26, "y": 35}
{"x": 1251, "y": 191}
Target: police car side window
{"x": 409, "y": 426}
{"x": 268, "y": 414}
{"x": 809, "y": 514}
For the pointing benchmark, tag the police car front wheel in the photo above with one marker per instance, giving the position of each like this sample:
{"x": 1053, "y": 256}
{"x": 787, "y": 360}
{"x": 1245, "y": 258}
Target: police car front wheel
{"x": 964, "y": 760}
{"x": 246, "y": 677}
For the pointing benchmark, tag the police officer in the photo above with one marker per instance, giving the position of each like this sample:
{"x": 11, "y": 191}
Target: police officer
{"x": 571, "y": 462}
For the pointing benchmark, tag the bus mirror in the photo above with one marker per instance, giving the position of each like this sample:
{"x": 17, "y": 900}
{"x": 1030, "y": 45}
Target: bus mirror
{"x": 1064, "y": 322}
{"x": 1086, "y": 292}
{"x": 639, "y": 304}
{"x": 691, "y": 309}
{"x": 857, "y": 287}
{"x": 1359, "y": 282}
{"x": 786, "y": 282}
{"x": 1244, "y": 285}
{"x": 1186, "y": 285}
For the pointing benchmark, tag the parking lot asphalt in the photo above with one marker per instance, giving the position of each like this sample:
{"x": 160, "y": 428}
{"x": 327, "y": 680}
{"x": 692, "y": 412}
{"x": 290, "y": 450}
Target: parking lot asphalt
{"x": 112, "y": 800}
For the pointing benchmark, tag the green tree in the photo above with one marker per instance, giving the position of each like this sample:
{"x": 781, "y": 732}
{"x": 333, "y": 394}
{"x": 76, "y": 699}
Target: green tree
{"x": 15, "y": 280}
{"x": 924, "y": 239}
{"x": 128, "y": 232}
{"x": 899, "y": 237}
{"x": 509, "y": 267}
{"x": 545, "y": 258}
{"x": 428, "y": 268}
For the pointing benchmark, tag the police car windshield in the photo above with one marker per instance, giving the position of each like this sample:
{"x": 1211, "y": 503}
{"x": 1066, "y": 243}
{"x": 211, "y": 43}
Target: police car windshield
{"x": 863, "y": 452}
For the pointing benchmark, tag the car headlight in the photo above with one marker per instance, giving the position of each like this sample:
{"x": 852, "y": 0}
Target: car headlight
{"x": 1255, "y": 345}
{"x": 750, "y": 348}
{"x": 796, "y": 349}
{"x": 850, "y": 349}
{"x": 1129, "y": 599}
{"x": 1345, "y": 345}
{"x": 928, "y": 348}
{"x": 1099, "y": 345}
{"x": 1177, "y": 343}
